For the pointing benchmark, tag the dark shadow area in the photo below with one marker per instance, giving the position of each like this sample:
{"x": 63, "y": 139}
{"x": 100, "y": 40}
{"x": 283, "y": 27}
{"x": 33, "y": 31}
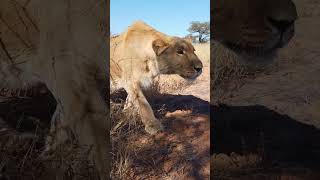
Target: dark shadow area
{"x": 257, "y": 129}
{"x": 180, "y": 102}
{"x": 180, "y": 128}
{"x": 118, "y": 96}
{"x": 169, "y": 102}
{"x": 25, "y": 114}
{"x": 186, "y": 131}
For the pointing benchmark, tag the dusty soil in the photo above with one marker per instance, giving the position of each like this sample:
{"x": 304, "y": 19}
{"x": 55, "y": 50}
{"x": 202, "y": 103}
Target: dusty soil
{"x": 182, "y": 151}
{"x": 269, "y": 127}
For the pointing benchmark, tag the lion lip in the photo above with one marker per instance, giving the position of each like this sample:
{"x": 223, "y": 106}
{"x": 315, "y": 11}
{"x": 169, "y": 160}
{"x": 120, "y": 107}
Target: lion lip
{"x": 191, "y": 75}
{"x": 253, "y": 51}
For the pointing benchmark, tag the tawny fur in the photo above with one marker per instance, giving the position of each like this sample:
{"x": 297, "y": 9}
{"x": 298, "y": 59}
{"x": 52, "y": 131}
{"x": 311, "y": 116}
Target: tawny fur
{"x": 134, "y": 63}
{"x": 60, "y": 43}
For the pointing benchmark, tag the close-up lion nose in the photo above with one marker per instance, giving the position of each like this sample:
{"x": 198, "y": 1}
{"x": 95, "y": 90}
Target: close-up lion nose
{"x": 198, "y": 67}
{"x": 281, "y": 25}
{"x": 282, "y": 20}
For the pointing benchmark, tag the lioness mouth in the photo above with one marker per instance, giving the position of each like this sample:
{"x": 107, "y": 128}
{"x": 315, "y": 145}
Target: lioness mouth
{"x": 194, "y": 76}
{"x": 257, "y": 51}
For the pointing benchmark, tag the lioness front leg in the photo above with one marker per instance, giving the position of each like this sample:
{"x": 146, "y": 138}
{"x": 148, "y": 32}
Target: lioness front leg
{"x": 129, "y": 103}
{"x": 152, "y": 125}
{"x": 85, "y": 117}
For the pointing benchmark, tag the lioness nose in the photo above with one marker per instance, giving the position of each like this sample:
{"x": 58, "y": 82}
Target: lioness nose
{"x": 281, "y": 25}
{"x": 280, "y": 19}
{"x": 198, "y": 67}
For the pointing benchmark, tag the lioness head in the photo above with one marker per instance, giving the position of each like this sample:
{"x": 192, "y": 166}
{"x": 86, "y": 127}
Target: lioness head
{"x": 254, "y": 29}
{"x": 176, "y": 56}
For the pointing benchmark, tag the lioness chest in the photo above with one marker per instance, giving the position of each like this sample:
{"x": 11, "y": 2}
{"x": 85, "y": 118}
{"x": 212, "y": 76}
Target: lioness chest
{"x": 133, "y": 70}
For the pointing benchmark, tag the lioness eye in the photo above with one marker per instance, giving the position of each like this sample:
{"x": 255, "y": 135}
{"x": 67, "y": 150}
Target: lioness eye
{"x": 180, "y": 51}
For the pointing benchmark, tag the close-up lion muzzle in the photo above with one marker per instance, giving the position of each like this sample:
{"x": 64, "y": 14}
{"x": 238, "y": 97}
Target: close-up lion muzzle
{"x": 283, "y": 30}
{"x": 195, "y": 72}
{"x": 260, "y": 34}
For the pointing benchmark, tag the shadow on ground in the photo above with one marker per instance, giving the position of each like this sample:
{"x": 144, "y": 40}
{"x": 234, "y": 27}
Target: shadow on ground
{"x": 25, "y": 114}
{"x": 279, "y": 140}
{"x": 182, "y": 151}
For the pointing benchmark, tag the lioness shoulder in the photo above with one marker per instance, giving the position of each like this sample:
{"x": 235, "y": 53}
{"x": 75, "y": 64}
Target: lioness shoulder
{"x": 141, "y": 53}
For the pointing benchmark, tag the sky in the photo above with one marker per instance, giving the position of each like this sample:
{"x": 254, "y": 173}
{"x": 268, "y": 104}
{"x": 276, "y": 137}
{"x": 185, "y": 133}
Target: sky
{"x": 171, "y": 17}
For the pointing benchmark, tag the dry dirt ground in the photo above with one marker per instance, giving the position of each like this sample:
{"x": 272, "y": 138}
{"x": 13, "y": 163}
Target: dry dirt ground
{"x": 269, "y": 127}
{"x": 182, "y": 151}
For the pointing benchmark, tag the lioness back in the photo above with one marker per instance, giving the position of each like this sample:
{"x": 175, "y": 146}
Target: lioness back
{"x": 131, "y": 55}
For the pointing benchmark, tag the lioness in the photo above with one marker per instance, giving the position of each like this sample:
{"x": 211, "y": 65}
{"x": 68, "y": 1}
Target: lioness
{"x": 61, "y": 44}
{"x": 139, "y": 55}
{"x": 246, "y": 36}
{"x": 250, "y": 32}
{"x": 253, "y": 29}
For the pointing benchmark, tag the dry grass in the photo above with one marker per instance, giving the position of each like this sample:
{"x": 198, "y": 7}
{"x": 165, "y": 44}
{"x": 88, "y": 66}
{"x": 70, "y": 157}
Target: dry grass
{"x": 22, "y": 158}
{"x": 21, "y": 148}
{"x": 124, "y": 125}
{"x": 203, "y": 52}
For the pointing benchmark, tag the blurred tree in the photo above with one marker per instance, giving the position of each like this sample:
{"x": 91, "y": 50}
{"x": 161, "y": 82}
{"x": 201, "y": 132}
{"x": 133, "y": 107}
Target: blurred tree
{"x": 202, "y": 30}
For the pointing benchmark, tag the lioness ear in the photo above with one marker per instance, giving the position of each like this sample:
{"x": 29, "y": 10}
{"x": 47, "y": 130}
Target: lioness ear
{"x": 159, "y": 46}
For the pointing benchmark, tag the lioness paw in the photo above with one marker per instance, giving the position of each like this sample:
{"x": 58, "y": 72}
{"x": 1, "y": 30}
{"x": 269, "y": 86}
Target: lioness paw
{"x": 128, "y": 106}
{"x": 154, "y": 128}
